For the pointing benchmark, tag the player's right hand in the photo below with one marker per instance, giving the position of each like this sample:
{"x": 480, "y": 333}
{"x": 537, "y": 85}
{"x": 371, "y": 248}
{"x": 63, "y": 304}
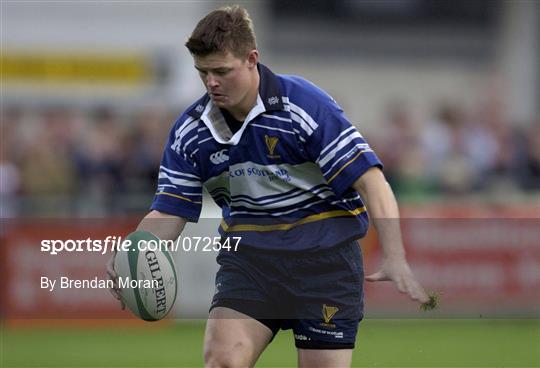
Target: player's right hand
{"x": 115, "y": 291}
{"x": 399, "y": 272}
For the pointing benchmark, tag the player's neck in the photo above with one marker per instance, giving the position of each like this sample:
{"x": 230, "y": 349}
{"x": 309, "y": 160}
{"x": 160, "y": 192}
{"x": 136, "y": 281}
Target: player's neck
{"x": 241, "y": 111}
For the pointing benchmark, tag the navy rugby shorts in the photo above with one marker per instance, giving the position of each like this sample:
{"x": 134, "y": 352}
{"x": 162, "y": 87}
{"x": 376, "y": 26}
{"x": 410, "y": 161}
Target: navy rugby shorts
{"x": 319, "y": 294}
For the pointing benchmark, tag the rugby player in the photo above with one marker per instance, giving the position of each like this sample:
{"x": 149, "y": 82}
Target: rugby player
{"x": 293, "y": 178}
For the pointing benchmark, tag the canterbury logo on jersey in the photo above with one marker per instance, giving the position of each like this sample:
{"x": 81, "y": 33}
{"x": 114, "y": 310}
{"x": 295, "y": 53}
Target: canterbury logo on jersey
{"x": 219, "y": 157}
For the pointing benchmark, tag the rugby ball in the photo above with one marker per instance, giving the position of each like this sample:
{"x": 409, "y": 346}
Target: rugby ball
{"x": 146, "y": 276}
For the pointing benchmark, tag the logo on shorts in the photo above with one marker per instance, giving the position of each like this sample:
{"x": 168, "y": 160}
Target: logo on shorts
{"x": 271, "y": 143}
{"x": 219, "y": 157}
{"x": 328, "y": 313}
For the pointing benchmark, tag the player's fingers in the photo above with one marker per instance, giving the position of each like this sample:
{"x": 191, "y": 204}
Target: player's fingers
{"x": 410, "y": 288}
{"x": 377, "y": 276}
{"x": 115, "y": 293}
{"x": 400, "y": 285}
{"x": 416, "y": 292}
{"x": 421, "y": 294}
{"x": 115, "y": 290}
{"x": 110, "y": 269}
{"x": 114, "y": 279}
{"x": 112, "y": 274}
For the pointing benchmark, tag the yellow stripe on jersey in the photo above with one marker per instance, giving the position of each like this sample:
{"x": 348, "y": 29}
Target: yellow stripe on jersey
{"x": 178, "y": 196}
{"x": 344, "y": 166}
{"x": 305, "y": 220}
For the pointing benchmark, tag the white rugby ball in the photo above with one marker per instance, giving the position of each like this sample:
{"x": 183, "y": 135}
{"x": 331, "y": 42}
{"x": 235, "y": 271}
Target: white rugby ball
{"x": 146, "y": 277}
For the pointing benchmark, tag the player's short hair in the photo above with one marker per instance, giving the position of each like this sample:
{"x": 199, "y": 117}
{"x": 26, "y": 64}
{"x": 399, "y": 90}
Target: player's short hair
{"x": 226, "y": 29}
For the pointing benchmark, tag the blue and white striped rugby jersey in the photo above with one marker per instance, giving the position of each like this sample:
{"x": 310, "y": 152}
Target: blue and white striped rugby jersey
{"x": 283, "y": 180}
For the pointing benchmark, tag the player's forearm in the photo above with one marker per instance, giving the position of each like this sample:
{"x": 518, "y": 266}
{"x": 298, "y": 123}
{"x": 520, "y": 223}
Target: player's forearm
{"x": 385, "y": 217}
{"x": 162, "y": 225}
{"x": 383, "y": 211}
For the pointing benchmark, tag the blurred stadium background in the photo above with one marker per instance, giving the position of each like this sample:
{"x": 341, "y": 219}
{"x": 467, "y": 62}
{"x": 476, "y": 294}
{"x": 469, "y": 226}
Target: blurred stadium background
{"x": 447, "y": 93}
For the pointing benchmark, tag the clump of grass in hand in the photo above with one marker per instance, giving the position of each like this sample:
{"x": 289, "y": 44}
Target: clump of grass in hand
{"x": 432, "y": 303}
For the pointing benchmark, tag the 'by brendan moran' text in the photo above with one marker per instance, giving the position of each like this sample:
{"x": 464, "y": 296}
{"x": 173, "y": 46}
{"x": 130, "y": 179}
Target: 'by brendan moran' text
{"x": 96, "y": 283}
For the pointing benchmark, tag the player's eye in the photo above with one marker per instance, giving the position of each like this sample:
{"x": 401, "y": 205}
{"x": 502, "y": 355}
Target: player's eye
{"x": 201, "y": 71}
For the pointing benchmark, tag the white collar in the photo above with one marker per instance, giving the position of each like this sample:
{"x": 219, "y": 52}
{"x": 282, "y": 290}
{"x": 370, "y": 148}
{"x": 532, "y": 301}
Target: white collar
{"x": 214, "y": 120}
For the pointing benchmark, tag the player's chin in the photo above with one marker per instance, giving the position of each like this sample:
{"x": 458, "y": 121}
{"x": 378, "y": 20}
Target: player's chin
{"x": 225, "y": 102}
{"x": 221, "y": 104}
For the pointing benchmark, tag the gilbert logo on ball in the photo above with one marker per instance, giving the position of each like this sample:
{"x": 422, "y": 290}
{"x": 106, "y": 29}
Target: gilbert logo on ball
{"x": 146, "y": 276}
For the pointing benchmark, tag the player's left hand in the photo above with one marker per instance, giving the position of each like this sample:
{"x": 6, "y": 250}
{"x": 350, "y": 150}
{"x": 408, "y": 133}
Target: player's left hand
{"x": 399, "y": 272}
{"x": 111, "y": 272}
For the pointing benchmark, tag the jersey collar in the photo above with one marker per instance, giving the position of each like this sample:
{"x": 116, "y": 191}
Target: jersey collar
{"x": 270, "y": 89}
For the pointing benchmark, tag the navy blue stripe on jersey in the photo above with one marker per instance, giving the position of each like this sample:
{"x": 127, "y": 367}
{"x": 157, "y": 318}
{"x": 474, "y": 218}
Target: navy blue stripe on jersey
{"x": 323, "y": 190}
{"x": 300, "y": 209}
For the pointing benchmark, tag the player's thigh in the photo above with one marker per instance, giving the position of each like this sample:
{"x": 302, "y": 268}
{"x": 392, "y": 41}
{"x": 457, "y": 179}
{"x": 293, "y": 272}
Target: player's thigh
{"x": 331, "y": 358}
{"x": 233, "y": 339}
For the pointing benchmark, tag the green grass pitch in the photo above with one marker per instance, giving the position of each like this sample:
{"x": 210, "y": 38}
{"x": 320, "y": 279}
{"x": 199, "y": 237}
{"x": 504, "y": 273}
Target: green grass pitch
{"x": 380, "y": 343}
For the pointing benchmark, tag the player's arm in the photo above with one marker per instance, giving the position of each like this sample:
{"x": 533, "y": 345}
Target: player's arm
{"x": 384, "y": 214}
{"x": 163, "y": 225}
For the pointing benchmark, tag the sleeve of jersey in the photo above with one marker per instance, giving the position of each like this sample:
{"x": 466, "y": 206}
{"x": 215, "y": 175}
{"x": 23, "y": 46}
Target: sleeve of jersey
{"x": 340, "y": 150}
{"x": 179, "y": 190}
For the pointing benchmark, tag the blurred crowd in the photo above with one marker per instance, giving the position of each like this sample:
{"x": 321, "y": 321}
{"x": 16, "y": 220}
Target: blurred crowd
{"x": 459, "y": 153}
{"x": 93, "y": 162}
{"x": 87, "y": 162}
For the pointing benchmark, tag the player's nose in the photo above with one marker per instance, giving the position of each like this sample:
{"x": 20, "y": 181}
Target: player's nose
{"x": 211, "y": 81}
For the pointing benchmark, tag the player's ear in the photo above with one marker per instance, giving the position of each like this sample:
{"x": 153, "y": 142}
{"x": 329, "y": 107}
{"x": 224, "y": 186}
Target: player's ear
{"x": 252, "y": 58}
